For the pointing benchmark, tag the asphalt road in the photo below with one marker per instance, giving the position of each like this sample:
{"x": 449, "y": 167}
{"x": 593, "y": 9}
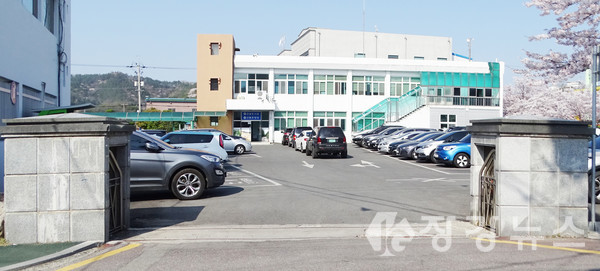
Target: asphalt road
{"x": 276, "y": 185}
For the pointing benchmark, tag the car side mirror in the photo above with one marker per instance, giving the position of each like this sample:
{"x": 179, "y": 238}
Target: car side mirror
{"x": 152, "y": 147}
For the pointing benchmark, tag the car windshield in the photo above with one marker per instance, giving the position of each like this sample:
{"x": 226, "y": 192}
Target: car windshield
{"x": 331, "y": 132}
{"x": 152, "y": 139}
{"x": 434, "y": 136}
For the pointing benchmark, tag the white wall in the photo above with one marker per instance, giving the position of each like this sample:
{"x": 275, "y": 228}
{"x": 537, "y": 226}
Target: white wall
{"x": 29, "y": 51}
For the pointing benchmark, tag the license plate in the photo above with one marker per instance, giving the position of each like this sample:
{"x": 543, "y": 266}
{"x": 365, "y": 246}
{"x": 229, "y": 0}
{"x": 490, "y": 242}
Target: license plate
{"x": 332, "y": 140}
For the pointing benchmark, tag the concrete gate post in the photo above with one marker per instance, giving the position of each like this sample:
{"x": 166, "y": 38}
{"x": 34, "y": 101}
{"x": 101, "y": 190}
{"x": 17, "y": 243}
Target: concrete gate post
{"x": 540, "y": 172}
{"x": 66, "y": 178}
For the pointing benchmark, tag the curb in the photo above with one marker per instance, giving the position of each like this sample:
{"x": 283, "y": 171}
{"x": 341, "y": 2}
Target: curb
{"x": 61, "y": 254}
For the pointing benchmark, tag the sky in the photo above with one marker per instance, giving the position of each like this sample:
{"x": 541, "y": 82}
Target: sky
{"x": 110, "y": 35}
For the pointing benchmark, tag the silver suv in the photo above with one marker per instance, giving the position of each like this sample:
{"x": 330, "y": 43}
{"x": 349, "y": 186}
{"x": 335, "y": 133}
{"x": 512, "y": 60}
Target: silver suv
{"x": 187, "y": 173}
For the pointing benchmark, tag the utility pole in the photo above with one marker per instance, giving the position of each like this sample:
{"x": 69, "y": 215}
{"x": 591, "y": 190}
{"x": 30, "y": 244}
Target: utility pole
{"x": 469, "y": 41}
{"x": 595, "y": 75}
{"x": 139, "y": 83}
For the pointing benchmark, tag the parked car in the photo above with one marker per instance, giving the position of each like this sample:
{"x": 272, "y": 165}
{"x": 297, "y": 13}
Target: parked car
{"x": 302, "y": 139}
{"x": 398, "y": 135}
{"x": 457, "y": 154}
{"x": 231, "y": 143}
{"x": 357, "y": 139}
{"x": 295, "y": 133}
{"x": 369, "y": 141}
{"x": 425, "y": 150}
{"x": 286, "y": 136}
{"x": 407, "y": 150}
{"x": 330, "y": 140}
{"x": 388, "y": 145}
{"x": 236, "y": 144}
{"x": 212, "y": 142}
{"x": 187, "y": 173}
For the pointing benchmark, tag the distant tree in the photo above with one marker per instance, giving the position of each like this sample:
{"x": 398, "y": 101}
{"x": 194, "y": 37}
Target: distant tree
{"x": 159, "y": 125}
{"x": 578, "y": 22}
{"x": 533, "y": 97}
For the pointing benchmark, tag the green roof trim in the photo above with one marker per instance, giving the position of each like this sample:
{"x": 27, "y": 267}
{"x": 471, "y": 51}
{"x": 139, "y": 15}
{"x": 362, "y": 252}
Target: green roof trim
{"x": 159, "y": 116}
{"x": 172, "y": 100}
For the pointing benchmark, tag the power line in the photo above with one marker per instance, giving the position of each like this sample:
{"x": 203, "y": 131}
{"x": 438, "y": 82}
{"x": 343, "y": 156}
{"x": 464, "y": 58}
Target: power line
{"x": 130, "y": 66}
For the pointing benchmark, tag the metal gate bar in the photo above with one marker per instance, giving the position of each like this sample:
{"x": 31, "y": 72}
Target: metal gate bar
{"x": 114, "y": 183}
{"x": 487, "y": 192}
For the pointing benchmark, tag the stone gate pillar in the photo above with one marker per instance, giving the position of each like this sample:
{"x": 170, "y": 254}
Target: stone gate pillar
{"x": 66, "y": 178}
{"x": 540, "y": 180}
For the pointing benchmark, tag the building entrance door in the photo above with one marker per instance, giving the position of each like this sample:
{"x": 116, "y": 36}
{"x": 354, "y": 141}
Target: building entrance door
{"x": 255, "y": 131}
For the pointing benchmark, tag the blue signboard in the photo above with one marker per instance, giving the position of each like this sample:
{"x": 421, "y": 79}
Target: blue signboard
{"x": 251, "y": 116}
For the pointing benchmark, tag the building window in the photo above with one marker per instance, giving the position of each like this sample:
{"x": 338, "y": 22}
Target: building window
{"x": 442, "y": 59}
{"x": 214, "y": 121}
{"x": 419, "y": 58}
{"x": 368, "y": 85}
{"x": 214, "y": 48}
{"x": 447, "y": 121}
{"x": 329, "y": 119}
{"x": 330, "y": 84}
{"x": 289, "y": 119}
{"x": 291, "y": 84}
{"x": 214, "y": 84}
{"x": 401, "y": 85}
{"x": 392, "y": 56}
{"x": 251, "y": 83}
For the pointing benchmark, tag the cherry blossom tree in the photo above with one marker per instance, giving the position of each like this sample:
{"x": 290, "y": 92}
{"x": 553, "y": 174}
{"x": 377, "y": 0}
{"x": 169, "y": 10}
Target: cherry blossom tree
{"x": 533, "y": 97}
{"x": 578, "y": 22}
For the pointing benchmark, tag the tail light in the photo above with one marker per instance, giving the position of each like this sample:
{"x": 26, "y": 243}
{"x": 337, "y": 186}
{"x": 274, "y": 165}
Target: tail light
{"x": 318, "y": 140}
{"x": 344, "y": 139}
{"x": 294, "y": 137}
{"x": 221, "y": 141}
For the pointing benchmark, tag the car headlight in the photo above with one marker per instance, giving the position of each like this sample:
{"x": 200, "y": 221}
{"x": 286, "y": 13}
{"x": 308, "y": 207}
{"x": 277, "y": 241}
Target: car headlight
{"x": 428, "y": 146}
{"x": 211, "y": 158}
{"x": 449, "y": 148}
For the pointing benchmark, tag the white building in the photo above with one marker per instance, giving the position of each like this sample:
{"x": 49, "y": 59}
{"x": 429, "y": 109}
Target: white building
{"x": 330, "y": 78}
{"x": 35, "y": 52}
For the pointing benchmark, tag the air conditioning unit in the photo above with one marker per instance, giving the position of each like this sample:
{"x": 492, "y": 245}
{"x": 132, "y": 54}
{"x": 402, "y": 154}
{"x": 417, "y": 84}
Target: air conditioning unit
{"x": 261, "y": 94}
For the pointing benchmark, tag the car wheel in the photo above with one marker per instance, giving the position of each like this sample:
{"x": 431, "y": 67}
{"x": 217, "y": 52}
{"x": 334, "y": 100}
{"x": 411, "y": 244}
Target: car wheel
{"x": 315, "y": 154}
{"x": 239, "y": 149}
{"x": 308, "y": 152}
{"x": 413, "y": 155}
{"x": 431, "y": 158}
{"x": 344, "y": 154}
{"x": 461, "y": 160}
{"x": 188, "y": 184}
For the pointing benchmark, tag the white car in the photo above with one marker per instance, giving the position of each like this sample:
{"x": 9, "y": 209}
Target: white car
{"x": 301, "y": 140}
{"x": 236, "y": 144}
{"x": 210, "y": 142}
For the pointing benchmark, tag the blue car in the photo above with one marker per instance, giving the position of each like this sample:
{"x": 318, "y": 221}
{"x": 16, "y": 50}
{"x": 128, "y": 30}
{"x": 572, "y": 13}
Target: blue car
{"x": 456, "y": 153}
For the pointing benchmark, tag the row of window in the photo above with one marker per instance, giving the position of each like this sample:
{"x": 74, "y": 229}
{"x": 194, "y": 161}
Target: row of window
{"x": 290, "y": 119}
{"x": 323, "y": 84}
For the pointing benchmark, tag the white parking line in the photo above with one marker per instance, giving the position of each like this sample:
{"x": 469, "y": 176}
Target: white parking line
{"x": 256, "y": 175}
{"x": 417, "y": 165}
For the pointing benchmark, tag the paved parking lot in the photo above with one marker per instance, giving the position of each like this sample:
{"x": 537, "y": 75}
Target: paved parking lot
{"x": 276, "y": 185}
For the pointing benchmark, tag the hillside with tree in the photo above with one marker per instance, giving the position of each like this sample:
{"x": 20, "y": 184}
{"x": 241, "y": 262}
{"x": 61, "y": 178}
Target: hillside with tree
{"x": 116, "y": 91}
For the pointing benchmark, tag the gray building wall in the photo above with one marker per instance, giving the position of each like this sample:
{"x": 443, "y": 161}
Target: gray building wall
{"x": 341, "y": 43}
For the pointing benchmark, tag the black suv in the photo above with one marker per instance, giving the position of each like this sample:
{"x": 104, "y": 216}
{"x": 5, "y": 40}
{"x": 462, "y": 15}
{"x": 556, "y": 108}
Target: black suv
{"x": 286, "y": 136}
{"x": 327, "y": 140}
{"x": 295, "y": 133}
